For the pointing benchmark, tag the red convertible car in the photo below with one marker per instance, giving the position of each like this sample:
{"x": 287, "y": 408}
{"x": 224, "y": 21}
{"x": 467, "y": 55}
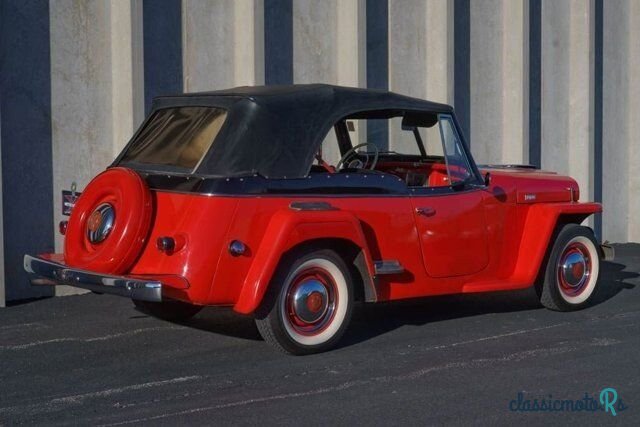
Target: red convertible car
{"x": 225, "y": 199}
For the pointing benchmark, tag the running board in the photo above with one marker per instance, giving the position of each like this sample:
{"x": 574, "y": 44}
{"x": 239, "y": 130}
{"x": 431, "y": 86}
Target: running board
{"x": 391, "y": 266}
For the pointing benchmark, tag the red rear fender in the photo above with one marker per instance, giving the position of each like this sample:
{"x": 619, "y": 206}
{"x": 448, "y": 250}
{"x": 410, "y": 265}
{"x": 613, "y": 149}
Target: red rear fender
{"x": 287, "y": 229}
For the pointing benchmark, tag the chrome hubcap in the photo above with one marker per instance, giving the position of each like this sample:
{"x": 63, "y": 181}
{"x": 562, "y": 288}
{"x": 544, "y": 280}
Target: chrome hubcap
{"x": 311, "y": 301}
{"x": 100, "y": 223}
{"x": 574, "y": 269}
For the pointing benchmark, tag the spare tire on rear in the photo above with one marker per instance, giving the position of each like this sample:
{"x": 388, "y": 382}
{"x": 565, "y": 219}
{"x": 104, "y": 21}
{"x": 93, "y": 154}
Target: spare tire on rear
{"x": 109, "y": 223}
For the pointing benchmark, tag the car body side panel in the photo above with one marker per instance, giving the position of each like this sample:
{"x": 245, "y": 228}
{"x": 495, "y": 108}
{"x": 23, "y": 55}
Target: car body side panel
{"x": 199, "y": 225}
{"x": 382, "y": 226}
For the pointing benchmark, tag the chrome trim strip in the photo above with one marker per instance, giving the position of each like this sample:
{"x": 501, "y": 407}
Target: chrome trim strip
{"x": 44, "y": 272}
{"x": 311, "y": 206}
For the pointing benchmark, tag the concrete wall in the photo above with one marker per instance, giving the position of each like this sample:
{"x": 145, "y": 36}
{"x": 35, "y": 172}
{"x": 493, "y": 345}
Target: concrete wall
{"x": 621, "y": 120}
{"x": 550, "y": 82}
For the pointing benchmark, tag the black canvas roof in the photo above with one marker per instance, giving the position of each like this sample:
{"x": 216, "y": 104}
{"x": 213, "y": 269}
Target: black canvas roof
{"x": 276, "y": 130}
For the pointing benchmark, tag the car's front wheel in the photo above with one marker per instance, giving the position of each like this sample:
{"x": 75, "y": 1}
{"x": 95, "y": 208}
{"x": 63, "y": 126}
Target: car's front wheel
{"x": 309, "y": 303}
{"x": 571, "y": 272}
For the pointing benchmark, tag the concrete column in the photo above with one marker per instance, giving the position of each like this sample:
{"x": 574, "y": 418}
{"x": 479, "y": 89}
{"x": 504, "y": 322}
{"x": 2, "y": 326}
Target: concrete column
{"x": 567, "y": 90}
{"x": 420, "y": 54}
{"x": 328, "y": 47}
{"x": 223, "y": 44}
{"x": 97, "y": 91}
{"x": 498, "y": 95}
{"x": 621, "y": 120}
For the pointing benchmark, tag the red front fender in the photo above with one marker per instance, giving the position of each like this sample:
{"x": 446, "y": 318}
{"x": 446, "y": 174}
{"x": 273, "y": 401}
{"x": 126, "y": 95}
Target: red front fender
{"x": 287, "y": 229}
{"x": 539, "y": 226}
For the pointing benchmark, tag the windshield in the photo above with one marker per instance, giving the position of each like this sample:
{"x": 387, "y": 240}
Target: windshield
{"x": 175, "y": 139}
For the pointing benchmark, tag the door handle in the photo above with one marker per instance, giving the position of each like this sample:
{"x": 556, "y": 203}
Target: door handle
{"x": 425, "y": 211}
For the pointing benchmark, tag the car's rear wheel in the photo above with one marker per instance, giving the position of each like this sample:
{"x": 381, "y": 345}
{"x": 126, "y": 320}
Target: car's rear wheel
{"x": 309, "y": 303}
{"x": 571, "y": 272}
{"x": 174, "y": 311}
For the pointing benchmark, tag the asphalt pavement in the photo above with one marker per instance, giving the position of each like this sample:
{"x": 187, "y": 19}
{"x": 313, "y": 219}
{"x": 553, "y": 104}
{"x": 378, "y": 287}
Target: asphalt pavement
{"x": 472, "y": 359}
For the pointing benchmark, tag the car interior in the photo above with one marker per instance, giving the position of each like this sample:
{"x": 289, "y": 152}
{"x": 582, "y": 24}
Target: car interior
{"x": 427, "y": 151}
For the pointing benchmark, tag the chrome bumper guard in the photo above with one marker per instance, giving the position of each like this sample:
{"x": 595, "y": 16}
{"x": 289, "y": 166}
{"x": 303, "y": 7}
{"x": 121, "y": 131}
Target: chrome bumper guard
{"x": 45, "y": 272}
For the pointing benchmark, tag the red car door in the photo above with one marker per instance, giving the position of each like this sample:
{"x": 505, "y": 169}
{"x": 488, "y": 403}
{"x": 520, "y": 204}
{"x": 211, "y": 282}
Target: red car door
{"x": 448, "y": 208}
{"x": 452, "y": 232}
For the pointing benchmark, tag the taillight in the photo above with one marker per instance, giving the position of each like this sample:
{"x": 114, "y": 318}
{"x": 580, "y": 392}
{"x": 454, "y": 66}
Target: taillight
{"x": 166, "y": 244}
{"x": 170, "y": 245}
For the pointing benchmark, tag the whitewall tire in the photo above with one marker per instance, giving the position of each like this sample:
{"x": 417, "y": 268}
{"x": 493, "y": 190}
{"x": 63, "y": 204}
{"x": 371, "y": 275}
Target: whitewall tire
{"x": 309, "y": 303}
{"x": 572, "y": 270}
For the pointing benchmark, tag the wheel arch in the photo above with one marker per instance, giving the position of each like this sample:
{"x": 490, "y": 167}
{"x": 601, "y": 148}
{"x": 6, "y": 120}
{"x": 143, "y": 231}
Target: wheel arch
{"x": 291, "y": 230}
{"x": 542, "y": 225}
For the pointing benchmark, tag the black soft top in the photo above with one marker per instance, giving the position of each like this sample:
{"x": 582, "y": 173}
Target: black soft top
{"x": 276, "y": 130}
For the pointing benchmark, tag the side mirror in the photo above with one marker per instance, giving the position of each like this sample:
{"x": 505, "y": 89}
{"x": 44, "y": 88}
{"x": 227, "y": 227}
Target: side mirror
{"x": 487, "y": 179}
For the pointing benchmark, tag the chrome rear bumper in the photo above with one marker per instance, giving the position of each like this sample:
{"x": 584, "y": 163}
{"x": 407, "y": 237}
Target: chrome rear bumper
{"x": 45, "y": 272}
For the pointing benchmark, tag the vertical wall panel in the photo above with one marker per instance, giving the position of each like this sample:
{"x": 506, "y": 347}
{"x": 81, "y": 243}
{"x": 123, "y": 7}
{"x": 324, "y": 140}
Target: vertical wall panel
{"x": 567, "y": 133}
{"x": 223, "y": 44}
{"x": 497, "y": 81}
{"x": 597, "y": 111}
{"x": 319, "y": 56}
{"x": 420, "y": 56}
{"x": 633, "y": 118}
{"x": 208, "y": 47}
{"x": 534, "y": 106}
{"x": 162, "y": 24}
{"x": 25, "y": 102}
{"x": 278, "y": 42}
{"x": 377, "y": 62}
{"x": 621, "y": 120}
{"x": 2, "y": 281}
{"x": 127, "y": 71}
{"x": 462, "y": 59}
